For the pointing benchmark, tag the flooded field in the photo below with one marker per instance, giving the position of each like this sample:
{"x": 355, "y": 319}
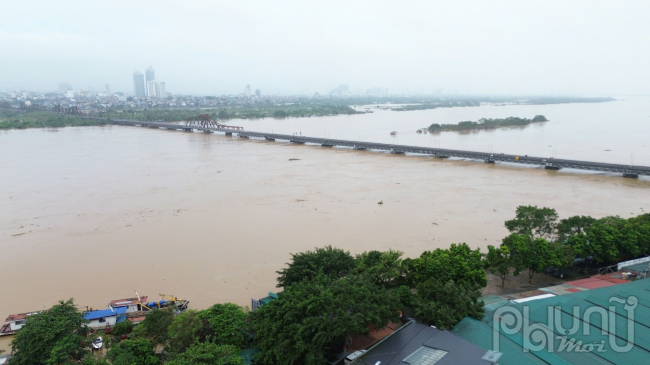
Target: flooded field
{"x": 96, "y": 213}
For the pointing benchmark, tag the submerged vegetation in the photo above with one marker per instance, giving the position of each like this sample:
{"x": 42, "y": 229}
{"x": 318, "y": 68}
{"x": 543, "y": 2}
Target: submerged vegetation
{"x": 438, "y": 104}
{"x": 241, "y": 112}
{"x": 16, "y": 120}
{"x": 486, "y": 123}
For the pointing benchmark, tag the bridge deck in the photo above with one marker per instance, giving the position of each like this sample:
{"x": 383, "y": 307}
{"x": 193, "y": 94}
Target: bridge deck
{"x": 627, "y": 170}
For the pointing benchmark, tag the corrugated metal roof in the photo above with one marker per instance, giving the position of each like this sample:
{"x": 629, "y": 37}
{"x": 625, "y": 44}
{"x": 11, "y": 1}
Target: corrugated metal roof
{"x": 592, "y": 333}
{"x": 103, "y": 313}
{"x": 19, "y": 316}
{"x": 127, "y": 301}
{"x": 400, "y": 345}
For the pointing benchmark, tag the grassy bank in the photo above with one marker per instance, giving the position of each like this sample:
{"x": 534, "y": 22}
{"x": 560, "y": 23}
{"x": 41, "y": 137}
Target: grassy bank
{"x": 15, "y": 120}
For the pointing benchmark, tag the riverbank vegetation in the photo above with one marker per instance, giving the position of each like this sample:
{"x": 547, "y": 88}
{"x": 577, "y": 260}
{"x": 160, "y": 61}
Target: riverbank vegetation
{"x": 330, "y": 297}
{"x": 486, "y": 123}
{"x": 296, "y": 110}
{"x": 15, "y": 120}
{"x": 438, "y": 104}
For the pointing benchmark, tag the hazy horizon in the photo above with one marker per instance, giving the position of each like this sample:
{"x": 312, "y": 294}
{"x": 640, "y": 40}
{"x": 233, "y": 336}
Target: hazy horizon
{"x": 215, "y": 48}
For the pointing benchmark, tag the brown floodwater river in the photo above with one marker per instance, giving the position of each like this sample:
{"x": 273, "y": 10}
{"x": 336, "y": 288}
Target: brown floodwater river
{"x": 96, "y": 213}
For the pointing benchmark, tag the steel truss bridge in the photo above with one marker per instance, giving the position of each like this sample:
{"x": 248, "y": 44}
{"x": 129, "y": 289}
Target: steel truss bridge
{"x": 548, "y": 163}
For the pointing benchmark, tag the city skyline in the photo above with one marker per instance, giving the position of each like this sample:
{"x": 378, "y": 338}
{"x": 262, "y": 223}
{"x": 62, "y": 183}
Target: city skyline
{"x": 564, "y": 48}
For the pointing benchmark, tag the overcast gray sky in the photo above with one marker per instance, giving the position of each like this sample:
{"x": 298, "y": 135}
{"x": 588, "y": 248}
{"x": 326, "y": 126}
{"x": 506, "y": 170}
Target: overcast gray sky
{"x": 214, "y": 47}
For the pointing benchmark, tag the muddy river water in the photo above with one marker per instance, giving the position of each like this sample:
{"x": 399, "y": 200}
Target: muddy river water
{"x": 96, "y": 213}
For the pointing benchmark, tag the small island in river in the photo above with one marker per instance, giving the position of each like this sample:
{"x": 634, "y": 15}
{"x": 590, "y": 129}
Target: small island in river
{"x": 486, "y": 123}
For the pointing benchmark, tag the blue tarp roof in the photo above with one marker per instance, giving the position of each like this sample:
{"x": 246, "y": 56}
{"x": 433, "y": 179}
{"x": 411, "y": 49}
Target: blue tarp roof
{"x": 103, "y": 313}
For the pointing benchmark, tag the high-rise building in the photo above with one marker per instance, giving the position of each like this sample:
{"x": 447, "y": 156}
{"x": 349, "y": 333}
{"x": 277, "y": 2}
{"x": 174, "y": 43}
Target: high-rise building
{"x": 341, "y": 90}
{"x": 258, "y": 93}
{"x": 107, "y": 90}
{"x": 151, "y": 75}
{"x": 162, "y": 91}
{"x": 247, "y": 90}
{"x": 152, "y": 89}
{"x": 138, "y": 84}
{"x": 64, "y": 86}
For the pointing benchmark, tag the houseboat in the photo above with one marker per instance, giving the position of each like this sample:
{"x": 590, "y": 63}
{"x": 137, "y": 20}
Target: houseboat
{"x": 15, "y": 322}
{"x": 130, "y": 309}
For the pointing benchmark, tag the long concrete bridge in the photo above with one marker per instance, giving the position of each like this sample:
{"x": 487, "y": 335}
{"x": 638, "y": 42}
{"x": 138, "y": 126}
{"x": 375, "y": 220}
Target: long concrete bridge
{"x": 548, "y": 163}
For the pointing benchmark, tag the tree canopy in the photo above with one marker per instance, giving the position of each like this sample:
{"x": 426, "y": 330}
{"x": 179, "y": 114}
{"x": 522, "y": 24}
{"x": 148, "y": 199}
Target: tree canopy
{"x": 333, "y": 262}
{"x": 574, "y": 225}
{"x": 533, "y": 255}
{"x": 54, "y": 336}
{"x": 228, "y": 323}
{"x": 133, "y": 352}
{"x": 459, "y": 263}
{"x": 311, "y": 320}
{"x": 498, "y": 259}
{"x": 534, "y": 222}
{"x": 384, "y": 268}
{"x": 156, "y": 324}
{"x": 186, "y": 329}
{"x": 209, "y": 354}
{"x": 445, "y": 304}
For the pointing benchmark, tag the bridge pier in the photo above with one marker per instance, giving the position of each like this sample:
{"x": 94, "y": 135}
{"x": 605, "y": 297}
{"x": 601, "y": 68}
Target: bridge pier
{"x": 396, "y": 152}
{"x": 551, "y": 167}
{"x": 295, "y": 141}
{"x": 244, "y": 136}
{"x": 269, "y": 139}
{"x": 359, "y": 148}
{"x": 207, "y": 131}
{"x": 327, "y": 145}
{"x": 187, "y": 129}
{"x": 440, "y": 155}
{"x": 229, "y": 134}
{"x": 631, "y": 175}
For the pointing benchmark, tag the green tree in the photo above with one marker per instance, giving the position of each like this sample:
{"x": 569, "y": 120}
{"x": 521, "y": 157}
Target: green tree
{"x": 602, "y": 239}
{"x": 627, "y": 239}
{"x": 69, "y": 350}
{"x": 187, "y": 328}
{"x": 311, "y": 320}
{"x": 156, "y": 324}
{"x": 209, "y": 354}
{"x": 581, "y": 246}
{"x": 54, "y": 335}
{"x": 458, "y": 263}
{"x": 229, "y": 324}
{"x": 533, "y": 255}
{"x": 123, "y": 328}
{"x": 499, "y": 260}
{"x": 333, "y": 262}
{"x": 384, "y": 268}
{"x": 133, "y": 352}
{"x": 444, "y": 305}
{"x": 641, "y": 225}
{"x": 279, "y": 114}
{"x": 533, "y": 221}
{"x": 573, "y": 226}
{"x": 223, "y": 114}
